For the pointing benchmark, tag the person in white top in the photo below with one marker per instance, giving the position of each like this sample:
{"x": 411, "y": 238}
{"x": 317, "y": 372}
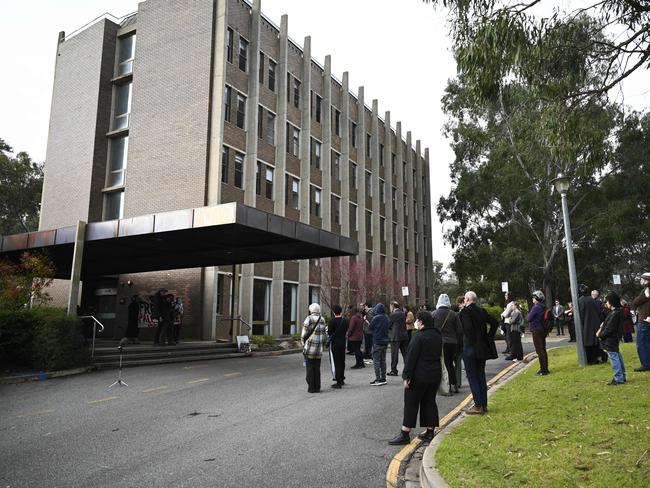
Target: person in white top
{"x": 505, "y": 319}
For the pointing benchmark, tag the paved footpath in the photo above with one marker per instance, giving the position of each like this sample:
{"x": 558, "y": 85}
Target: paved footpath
{"x": 226, "y": 423}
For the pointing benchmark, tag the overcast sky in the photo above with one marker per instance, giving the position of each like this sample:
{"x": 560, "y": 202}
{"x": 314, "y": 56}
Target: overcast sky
{"x": 398, "y": 50}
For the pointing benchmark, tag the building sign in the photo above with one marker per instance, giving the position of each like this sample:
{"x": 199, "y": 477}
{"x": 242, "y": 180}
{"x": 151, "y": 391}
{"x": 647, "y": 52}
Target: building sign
{"x": 504, "y": 286}
{"x": 616, "y": 279}
{"x": 405, "y": 291}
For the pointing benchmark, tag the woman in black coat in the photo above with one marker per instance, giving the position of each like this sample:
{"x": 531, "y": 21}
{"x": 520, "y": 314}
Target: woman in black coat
{"x": 421, "y": 376}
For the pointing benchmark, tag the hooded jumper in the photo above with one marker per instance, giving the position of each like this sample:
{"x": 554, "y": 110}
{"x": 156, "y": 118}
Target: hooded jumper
{"x": 379, "y": 325}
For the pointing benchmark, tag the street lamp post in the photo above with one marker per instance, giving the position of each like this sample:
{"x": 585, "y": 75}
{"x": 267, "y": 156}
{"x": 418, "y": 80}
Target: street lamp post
{"x": 562, "y": 186}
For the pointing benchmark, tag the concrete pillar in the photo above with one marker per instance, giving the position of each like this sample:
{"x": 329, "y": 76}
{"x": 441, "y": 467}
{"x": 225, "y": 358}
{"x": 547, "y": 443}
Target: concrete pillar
{"x": 411, "y": 221}
{"x": 401, "y": 250}
{"x": 252, "y": 103}
{"x": 236, "y": 288}
{"x": 345, "y": 156}
{"x": 376, "y": 197}
{"x": 361, "y": 176}
{"x": 419, "y": 225}
{"x": 75, "y": 273}
{"x": 388, "y": 188}
{"x": 305, "y": 169}
{"x": 326, "y": 160}
{"x": 429, "y": 246}
{"x": 277, "y": 288}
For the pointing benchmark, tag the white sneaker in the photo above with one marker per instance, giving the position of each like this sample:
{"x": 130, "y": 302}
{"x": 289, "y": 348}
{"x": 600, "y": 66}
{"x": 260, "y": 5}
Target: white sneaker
{"x": 368, "y": 361}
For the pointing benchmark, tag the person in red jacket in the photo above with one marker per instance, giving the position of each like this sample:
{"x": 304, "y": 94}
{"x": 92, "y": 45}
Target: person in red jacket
{"x": 355, "y": 337}
{"x": 628, "y": 322}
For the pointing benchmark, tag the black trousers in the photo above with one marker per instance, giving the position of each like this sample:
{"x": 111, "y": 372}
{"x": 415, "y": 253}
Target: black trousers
{"x": 395, "y": 348}
{"x": 421, "y": 396}
{"x": 338, "y": 356}
{"x": 516, "y": 348}
{"x": 313, "y": 375}
{"x": 449, "y": 352}
{"x": 367, "y": 348}
{"x": 572, "y": 330}
{"x": 539, "y": 340}
{"x": 595, "y": 354}
{"x": 356, "y": 349}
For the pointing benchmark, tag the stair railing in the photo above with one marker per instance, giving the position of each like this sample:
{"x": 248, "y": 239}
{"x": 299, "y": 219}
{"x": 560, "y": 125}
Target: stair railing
{"x": 95, "y": 324}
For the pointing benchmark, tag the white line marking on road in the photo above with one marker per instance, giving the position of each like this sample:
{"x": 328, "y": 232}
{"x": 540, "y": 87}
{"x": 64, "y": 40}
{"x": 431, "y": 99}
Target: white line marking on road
{"x": 31, "y": 414}
{"x": 102, "y": 400}
{"x": 196, "y": 366}
{"x": 201, "y": 380}
{"x": 263, "y": 369}
{"x": 157, "y": 388}
{"x": 230, "y": 375}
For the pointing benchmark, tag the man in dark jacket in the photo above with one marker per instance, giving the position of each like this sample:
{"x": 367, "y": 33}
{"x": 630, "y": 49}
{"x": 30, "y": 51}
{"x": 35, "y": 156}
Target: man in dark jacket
{"x": 379, "y": 329}
{"x": 366, "y": 313}
{"x": 399, "y": 338}
{"x": 474, "y": 320}
{"x": 590, "y": 314}
{"x": 337, "y": 330}
{"x": 610, "y": 334}
{"x": 642, "y": 304}
{"x": 355, "y": 337}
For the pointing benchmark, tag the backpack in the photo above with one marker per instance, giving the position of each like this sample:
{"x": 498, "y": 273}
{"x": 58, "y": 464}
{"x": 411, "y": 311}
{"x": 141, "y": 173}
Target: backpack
{"x": 547, "y": 320}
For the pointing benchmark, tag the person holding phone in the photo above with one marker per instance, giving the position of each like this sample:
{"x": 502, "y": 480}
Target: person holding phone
{"x": 421, "y": 375}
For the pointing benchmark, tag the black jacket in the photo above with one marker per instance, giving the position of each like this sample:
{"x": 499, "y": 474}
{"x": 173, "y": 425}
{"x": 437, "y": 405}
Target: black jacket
{"x": 337, "y": 330}
{"x": 612, "y": 330}
{"x": 474, "y": 321}
{"x": 423, "y": 357}
{"x": 447, "y": 322}
{"x": 397, "y": 326}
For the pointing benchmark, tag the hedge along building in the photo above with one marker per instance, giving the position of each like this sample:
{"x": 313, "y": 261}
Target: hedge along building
{"x": 186, "y": 104}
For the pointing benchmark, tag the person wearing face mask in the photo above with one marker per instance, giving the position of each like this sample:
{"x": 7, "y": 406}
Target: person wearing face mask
{"x": 421, "y": 375}
{"x": 642, "y": 304}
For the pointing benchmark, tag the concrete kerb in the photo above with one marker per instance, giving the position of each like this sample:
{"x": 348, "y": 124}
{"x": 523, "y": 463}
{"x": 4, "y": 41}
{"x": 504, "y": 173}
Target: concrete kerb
{"x": 397, "y": 466}
{"x": 429, "y": 475}
{"x": 44, "y": 375}
{"x": 259, "y": 354}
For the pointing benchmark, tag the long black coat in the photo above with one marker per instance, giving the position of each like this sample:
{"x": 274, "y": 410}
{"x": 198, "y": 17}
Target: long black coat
{"x": 591, "y": 319}
{"x": 423, "y": 357}
{"x": 397, "y": 327}
{"x": 337, "y": 330}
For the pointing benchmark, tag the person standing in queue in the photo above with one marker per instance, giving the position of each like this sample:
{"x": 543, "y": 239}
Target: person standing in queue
{"x": 355, "y": 337}
{"x": 448, "y": 323}
{"x": 537, "y": 329}
{"x": 313, "y": 339}
{"x": 337, "y": 330}
{"x": 379, "y": 328}
{"x": 421, "y": 375}
{"x": 399, "y": 338}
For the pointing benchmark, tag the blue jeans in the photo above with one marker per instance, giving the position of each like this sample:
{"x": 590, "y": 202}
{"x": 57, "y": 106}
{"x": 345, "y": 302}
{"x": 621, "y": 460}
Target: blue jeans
{"x": 643, "y": 343}
{"x": 475, "y": 370}
{"x": 616, "y": 359}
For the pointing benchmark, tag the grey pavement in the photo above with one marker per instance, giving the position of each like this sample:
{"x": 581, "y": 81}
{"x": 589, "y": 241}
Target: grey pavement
{"x": 227, "y": 423}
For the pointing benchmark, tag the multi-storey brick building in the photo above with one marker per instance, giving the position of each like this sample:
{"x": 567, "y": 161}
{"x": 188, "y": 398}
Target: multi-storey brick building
{"x": 212, "y": 104}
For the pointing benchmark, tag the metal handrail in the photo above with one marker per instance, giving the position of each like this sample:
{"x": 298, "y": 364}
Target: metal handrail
{"x": 95, "y": 324}
{"x": 242, "y": 321}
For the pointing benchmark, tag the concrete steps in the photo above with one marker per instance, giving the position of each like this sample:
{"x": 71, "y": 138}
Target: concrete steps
{"x": 107, "y": 354}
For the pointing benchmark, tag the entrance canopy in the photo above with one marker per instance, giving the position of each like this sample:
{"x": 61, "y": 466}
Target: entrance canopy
{"x": 225, "y": 234}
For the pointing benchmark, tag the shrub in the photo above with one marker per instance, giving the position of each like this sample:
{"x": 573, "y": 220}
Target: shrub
{"x": 264, "y": 340}
{"x": 42, "y": 338}
{"x": 494, "y": 312}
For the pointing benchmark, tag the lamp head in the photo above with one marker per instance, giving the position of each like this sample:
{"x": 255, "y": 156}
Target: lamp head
{"x": 562, "y": 184}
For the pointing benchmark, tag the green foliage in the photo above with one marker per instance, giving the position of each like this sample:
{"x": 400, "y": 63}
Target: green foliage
{"x": 297, "y": 337}
{"x": 565, "y": 429}
{"x": 21, "y": 181}
{"x": 25, "y": 282}
{"x": 494, "y": 311}
{"x": 43, "y": 338}
{"x": 264, "y": 340}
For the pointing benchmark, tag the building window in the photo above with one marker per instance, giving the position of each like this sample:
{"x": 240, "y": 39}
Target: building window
{"x": 122, "y": 106}
{"x": 381, "y": 154}
{"x": 406, "y": 206}
{"x": 314, "y": 294}
{"x": 368, "y": 139}
{"x": 368, "y": 223}
{"x": 395, "y": 270}
{"x": 272, "y": 66}
{"x": 336, "y": 165}
{"x": 261, "y": 306}
{"x": 243, "y": 53}
{"x": 270, "y": 128}
{"x": 292, "y": 192}
{"x": 417, "y": 247}
{"x": 353, "y": 217}
{"x": 260, "y": 122}
{"x": 114, "y": 202}
{"x": 394, "y": 198}
{"x": 353, "y": 175}
{"x": 296, "y": 92}
{"x": 393, "y": 158}
{"x": 316, "y": 201}
{"x": 289, "y": 308}
{"x": 227, "y": 97}
{"x": 368, "y": 260}
{"x": 353, "y": 134}
{"x": 368, "y": 184}
{"x": 241, "y": 110}
{"x": 117, "y": 161}
{"x": 239, "y": 170}
{"x": 264, "y": 180}
{"x": 261, "y": 69}
{"x": 126, "y": 55}
{"x": 394, "y": 233}
{"x": 225, "y": 158}
{"x": 336, "y": 209}
{"x": 382, "y": 228}
{"x": 229, "y": 44}
{"x": 406, "y": 238}
{"x": 293, "y": 143}
{"x": 404, "y": 174}
{"x": 288, "y": 88}
{"x": 269, "y": 183}
{"x": 415, "y": 210}
{"x": 318, "y": 105}
{"x": 382, "y": 191}
{"x": 337, "y": 122}
{"x": 316, "y": 148}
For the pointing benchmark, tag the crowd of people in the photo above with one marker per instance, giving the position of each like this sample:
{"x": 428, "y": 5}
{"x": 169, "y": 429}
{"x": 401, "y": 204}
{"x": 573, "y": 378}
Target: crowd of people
{"x": 430, "y": 340}
{"x": 163, "y": 310}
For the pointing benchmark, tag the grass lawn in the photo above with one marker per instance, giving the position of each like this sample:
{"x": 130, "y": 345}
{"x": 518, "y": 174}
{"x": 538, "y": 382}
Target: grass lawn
{"x": 566, "y": 429}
